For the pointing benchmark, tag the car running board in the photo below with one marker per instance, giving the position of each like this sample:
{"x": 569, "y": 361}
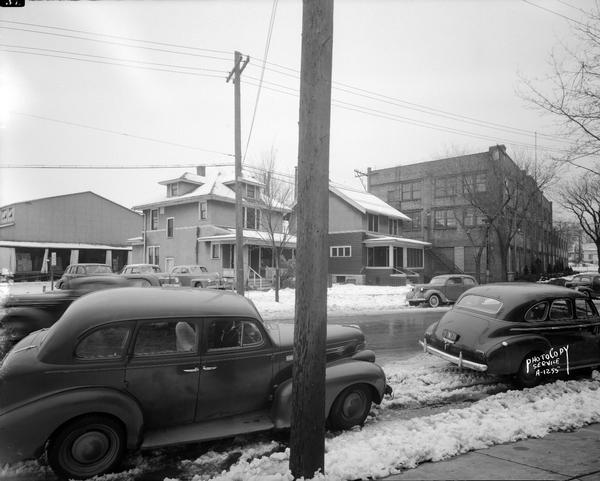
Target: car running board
{"x": 208, "y": 430}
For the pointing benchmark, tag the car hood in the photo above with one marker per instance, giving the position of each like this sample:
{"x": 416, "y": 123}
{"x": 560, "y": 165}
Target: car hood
{"x": 337, "y": 335}
{"x": 39, "y": 300}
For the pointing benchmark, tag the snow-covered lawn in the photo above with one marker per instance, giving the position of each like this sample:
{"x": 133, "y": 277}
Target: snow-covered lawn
{"x": 437, "y": 412}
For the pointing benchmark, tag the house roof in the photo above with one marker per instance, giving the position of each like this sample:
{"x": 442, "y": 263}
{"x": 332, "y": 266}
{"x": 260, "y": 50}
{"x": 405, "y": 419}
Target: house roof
{"x": 395, "y": 241}
{"x": 250, "y": 236}
{"x": 366, "y": 202}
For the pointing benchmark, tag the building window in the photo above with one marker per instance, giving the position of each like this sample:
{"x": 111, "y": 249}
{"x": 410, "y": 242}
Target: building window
{"x": 340, "y": 251}
{"x": 228, "y": 261}
{"x": 411, "y": 190}
{"x": 394, "y": 226}
{"x": 251, "y": 218}
{"x": 414, "y": 258}
{"x": 154, "y": 219}
{"x": 251, "y": 191}
{"x": 373, "y": 221}
{"x": 170, "y": 222}
{"x": 173, "y": 190}
{"x": 203, "y": 210}
{"x": 445, "y": 187}
{"x": 472, "y": 217}
{"x": 378, "y": 256}
{"x": 444, "y": 219}
{"x": 215, "y": 251}
{"x": 474, "y": 183}
{"x": 415, "y": 220}
{"x": 153, "y": 257}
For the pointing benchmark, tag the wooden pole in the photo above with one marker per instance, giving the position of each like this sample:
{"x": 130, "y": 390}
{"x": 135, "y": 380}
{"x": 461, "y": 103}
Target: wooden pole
{"x": 307, "y": 445}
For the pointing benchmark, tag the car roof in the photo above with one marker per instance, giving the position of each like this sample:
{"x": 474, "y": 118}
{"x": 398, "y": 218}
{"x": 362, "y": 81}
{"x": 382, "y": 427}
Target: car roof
{"x": 445, "y": 276}
{"x": 519, "y": 296}
{"x": 131, "y": 303}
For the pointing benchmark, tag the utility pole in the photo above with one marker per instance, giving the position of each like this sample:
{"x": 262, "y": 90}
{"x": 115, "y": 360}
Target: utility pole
{"x": 307, "y": 436}
{"x": 239, "y": 214}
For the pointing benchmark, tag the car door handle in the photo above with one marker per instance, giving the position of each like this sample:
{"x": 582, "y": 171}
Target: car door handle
{"x": 193, "y": 369}
{"x": 209, "y": 368}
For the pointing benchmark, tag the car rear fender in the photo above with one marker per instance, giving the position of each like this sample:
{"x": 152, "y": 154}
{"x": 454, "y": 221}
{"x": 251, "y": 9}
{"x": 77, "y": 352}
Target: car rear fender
{"x": 47, "y": 414}
{"x": 506, "y": 355}
{"x": 338, "y": 376}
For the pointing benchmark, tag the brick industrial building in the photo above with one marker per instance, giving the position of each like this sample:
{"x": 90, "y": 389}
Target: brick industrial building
{"x": 443, "y": 199}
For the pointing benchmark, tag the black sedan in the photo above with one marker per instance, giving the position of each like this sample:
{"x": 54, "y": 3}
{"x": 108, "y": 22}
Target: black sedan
{"x": 140, "y": 368}
{"x": 527, "y": 331}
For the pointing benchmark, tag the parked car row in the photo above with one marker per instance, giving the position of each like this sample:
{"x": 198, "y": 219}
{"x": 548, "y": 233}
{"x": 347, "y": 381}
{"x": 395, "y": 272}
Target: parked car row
{"x": 141, "y": 368}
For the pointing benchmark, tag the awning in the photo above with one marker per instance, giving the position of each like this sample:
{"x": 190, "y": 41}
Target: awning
{"x": 396, "y": 242}
{"x": 251, "y": 237}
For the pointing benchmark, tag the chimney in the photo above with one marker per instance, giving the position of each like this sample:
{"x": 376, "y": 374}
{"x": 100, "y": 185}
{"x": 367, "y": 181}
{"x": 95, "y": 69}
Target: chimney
{"x": 201, "y": 170}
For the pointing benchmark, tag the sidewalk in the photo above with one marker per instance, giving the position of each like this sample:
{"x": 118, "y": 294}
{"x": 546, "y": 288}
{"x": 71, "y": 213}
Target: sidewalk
{"x": 557, "y": 456}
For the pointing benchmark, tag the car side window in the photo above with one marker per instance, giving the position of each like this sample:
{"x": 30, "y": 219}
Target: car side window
{"x": 104, "y": 343}
{"x": 468, "y": 282}
{"x": 165, "y": 337}
{"x": 583, "y": 309}
{"x": 454, "y": 281}
{"x": 561, "y": 310}
{"x": 233, "y": 333}
{"x": 537, "y": 313}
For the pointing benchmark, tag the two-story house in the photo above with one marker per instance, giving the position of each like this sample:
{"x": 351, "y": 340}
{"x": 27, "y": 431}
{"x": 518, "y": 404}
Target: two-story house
{"x": 194, "y": 223}
{"x": 365, "y": 242}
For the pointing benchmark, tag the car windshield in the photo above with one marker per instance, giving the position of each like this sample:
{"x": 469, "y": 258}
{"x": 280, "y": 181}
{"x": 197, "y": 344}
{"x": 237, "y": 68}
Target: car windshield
{"x": 98, "y": 270}
{"x": 198, "y": 269}
{"x": 480, "y": 303}
{"x": 438, "y": 281}
{"x": 146, "y": 269}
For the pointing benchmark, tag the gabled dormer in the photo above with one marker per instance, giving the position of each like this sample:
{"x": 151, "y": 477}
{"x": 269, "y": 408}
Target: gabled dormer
{"x": 186, "y": 183}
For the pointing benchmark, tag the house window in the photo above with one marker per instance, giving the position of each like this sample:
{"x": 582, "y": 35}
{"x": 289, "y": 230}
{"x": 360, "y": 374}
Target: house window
{"x": 415, "y": 220}
{"x": 215, "y": 251}
{"x": 445, "y": 187}
{"x": 228, "y": 251}
{"x": 444, "y": 219}
{"x": 154, "y": 219}
{"x": 251, "y": 218}
{"x": 411, "y": 190}
{"x": 373, "y": 221}
{"x": 251, "y": 191}
{"x": 414, "y": 258}
{"x": 173, "y": 190}
{"x": 203, "y": 210}
{"x": 153, "y": 257}
{"x": 393, "y": 226}
{"x": 472, "y": 217}
{"x": 340, "y": 251}
{"x": 474, "y": 183}
{"x": 378, "y": 256}
{"x": 170, "y": 222}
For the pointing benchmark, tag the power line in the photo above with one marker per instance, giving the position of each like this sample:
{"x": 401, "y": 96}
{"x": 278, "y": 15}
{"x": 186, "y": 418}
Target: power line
{"x": 124, "y": 134}
{"x": 554, "y": 13}
{"x": 262, "y": 73}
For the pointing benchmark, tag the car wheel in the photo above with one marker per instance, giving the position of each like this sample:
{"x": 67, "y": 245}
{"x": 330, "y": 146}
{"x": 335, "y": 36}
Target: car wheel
{"x": 525, "y": 377}
{"x": 145, "y": 283}
{"x": 434, "y": 300}
{"x": 350, "y": 408}
{"x": 86, "y": 447}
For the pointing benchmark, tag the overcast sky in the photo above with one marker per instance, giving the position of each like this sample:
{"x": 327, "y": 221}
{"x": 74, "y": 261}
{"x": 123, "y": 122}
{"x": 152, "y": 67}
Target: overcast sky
{"x": 143, "y": 83}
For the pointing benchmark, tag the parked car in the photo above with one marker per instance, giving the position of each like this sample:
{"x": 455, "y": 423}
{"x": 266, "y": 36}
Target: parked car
{"x": 197, "y": 276}
{"x": 140, "y": 368}
{"x": 588, "y": 283}
{"x": 25, "y": 313}
{"x": 74, "y": 271}
{"x": 145, "y": 271}
{"x": 524, "y": 330}
{"x": 442, "y": 289}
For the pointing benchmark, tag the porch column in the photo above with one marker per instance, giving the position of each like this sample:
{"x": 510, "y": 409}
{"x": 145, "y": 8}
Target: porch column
{"x": 108, "y": 258}
{"x": 391, "y": 256}
{"x": 74, "y": 256}
{"x": 405, "y": 257}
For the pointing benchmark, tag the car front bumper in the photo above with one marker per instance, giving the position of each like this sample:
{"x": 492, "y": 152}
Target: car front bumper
{"x": 458, "y": 360}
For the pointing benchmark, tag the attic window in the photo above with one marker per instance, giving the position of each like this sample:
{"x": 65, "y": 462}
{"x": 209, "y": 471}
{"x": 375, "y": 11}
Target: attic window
{"x": 173, "y": 190}
{"x": 251, "y": 191}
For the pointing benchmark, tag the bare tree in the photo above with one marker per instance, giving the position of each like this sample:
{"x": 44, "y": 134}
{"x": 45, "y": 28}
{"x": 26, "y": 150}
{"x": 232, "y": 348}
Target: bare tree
{"x": 274, "y": 206}
{"x": 582, "y": 198}
{"x": 509, "y": 201}
{"x": 571, "y": 92}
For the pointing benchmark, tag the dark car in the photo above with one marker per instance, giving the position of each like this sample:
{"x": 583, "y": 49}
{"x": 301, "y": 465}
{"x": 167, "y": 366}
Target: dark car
{"x": 140, "y": 368}
{"x": 442, "y": 289}
{"x": 523, "y": 330}
{"x": 74, "y": 271}
{"x": 588, "y": 283}
{"x": 25, "y": 313}
{"x": 146, "y": 272}
{"x": 193, "y": 275}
